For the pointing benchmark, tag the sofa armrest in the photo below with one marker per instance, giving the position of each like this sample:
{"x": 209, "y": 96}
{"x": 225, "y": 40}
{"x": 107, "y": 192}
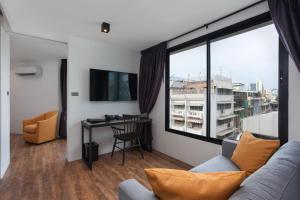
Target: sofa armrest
{"x": 133, "y": 190}
{"x": 228, "y": 146}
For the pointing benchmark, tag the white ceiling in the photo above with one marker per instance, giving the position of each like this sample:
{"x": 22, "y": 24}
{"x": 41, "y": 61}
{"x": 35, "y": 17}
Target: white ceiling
{"x": 34, "y": 50}
{"x": 136, "y": 24}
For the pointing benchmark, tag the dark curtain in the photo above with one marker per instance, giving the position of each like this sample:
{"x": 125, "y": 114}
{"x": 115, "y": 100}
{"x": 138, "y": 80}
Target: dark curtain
{"x": 286, "y": 17}
{"x": 152, "y": 66}
{"x": 63, "y": 91}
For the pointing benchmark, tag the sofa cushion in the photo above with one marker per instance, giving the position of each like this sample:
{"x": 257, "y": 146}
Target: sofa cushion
{"x": 30, "y": 128}
{"x": 171, "y": 184}
{"x": 252, "y": 153}
{"x": 279, "y": 179}
{"x": 217, "y": 164}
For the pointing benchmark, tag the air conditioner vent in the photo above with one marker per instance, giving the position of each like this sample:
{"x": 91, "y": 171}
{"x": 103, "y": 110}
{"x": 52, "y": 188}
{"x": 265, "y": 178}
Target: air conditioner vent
{"x": 28, "y": 71}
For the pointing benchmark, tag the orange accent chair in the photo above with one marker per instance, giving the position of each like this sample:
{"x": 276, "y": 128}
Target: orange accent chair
{"x": 41, "y": 128}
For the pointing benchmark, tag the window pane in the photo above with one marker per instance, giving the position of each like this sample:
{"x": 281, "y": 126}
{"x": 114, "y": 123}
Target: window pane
{"x": 244, "y": 93}
{"x": 188, "y": 90}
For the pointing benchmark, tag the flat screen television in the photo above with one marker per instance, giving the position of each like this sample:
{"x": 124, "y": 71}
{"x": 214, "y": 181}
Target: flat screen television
{"x": 112, "y": 86}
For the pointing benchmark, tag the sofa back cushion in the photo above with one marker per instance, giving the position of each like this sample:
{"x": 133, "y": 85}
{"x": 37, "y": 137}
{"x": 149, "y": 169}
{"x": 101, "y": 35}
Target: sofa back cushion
{"x": 278, "y": 179}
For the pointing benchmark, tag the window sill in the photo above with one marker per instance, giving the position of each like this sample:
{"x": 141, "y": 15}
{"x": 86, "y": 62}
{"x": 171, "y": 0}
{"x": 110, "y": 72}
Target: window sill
{"x": 194, "y": 136}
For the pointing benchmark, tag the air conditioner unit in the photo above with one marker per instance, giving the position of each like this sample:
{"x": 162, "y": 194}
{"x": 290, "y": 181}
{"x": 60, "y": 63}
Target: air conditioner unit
{"x": 28, "y": 70}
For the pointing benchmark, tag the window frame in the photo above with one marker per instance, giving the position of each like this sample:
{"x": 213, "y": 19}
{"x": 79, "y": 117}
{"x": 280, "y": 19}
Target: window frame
{"x": 237, "y": 28}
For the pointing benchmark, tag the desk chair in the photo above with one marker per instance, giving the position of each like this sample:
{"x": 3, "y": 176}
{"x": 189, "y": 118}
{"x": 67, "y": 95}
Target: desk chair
{"x": 129, "y": 133}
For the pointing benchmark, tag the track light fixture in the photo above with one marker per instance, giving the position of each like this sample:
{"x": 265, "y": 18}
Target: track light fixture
{"x": 105, "y": 27}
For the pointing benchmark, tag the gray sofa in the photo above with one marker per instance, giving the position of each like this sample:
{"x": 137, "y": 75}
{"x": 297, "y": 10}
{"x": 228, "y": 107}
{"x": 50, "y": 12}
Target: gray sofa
{"x": 278, "y": 179}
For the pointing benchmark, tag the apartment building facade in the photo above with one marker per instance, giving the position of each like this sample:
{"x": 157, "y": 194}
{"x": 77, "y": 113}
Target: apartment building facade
{"x": 234, "y": 107}
{"x": 188, "y": 106}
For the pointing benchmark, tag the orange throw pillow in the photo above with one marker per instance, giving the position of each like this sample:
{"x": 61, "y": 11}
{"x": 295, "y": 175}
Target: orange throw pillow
{"x": 252, "y": 153}
{"x": 171, "y": 184}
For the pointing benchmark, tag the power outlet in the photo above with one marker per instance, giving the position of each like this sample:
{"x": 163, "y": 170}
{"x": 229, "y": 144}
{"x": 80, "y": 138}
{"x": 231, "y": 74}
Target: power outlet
{"x": 75, "y": 94}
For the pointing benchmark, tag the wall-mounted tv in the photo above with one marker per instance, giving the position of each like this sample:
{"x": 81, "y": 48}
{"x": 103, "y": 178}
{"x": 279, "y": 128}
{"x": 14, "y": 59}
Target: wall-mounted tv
{"x": 112, "y": 86}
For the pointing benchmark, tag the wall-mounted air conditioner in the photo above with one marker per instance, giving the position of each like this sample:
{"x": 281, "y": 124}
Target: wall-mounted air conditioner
{"x": 28, "y": 71}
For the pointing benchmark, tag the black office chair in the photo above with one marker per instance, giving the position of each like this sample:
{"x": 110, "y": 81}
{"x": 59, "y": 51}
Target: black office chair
{"x": 130, "y": 132}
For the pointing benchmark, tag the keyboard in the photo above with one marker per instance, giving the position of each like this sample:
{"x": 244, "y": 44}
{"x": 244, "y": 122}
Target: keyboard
{"x": 92, "y": 120}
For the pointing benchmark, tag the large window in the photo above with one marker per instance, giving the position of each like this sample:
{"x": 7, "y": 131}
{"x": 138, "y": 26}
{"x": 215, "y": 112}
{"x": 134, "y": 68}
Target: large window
{"x": 227, "y": 82}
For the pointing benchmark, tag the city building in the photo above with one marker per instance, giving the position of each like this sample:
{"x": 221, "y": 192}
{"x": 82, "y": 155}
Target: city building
{"x": 259, "y": 86}
{"x": 188, "y": 106}
{"x": 252, "y": 87}
{"x": 231, "y": 105}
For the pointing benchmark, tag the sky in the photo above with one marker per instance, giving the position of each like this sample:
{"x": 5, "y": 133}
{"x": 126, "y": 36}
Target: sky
{"x": 245, "y": 58}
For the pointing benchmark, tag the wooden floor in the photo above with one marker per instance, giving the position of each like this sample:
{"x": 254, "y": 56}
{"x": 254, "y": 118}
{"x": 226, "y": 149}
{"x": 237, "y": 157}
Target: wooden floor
{"x": 42, "y": 172}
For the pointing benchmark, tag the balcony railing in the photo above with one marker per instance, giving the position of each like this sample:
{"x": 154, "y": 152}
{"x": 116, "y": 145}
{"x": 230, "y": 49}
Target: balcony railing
{"x": 224, "y": 98}
{"x": 224, "y": 112}
{"x": 178, "y": 113}
{"x": 197, "y": 97}
{"x": 197, "y": 114}
{"x": 186, "y": 91}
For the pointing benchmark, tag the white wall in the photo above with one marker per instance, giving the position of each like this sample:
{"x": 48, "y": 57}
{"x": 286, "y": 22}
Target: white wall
{"x": 193, "y": 151}
{"x": 82, "y": 55}
{"x": 33, "y": 95}
{"x": 4, "y": 101}
{"x": 294, "y": 99}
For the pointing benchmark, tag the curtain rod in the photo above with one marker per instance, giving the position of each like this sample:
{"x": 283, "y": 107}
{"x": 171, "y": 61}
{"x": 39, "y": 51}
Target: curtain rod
{"x": 216, "y": 20}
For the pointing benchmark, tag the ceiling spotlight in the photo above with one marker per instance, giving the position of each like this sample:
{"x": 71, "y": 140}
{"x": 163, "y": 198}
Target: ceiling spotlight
{"x": 105, "y": 27}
